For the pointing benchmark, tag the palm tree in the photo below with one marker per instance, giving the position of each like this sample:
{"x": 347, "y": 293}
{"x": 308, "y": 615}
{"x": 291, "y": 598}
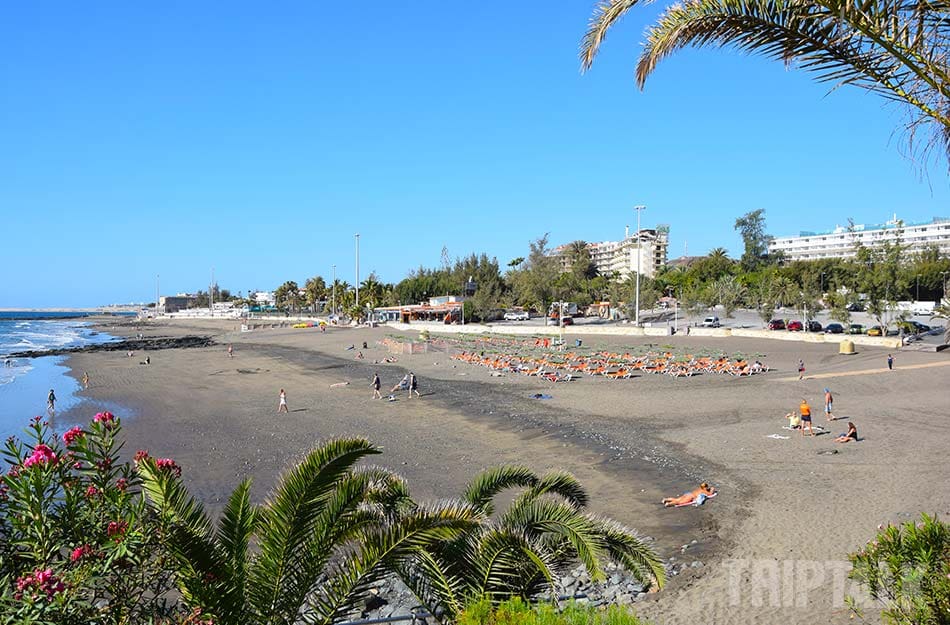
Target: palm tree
{"x": 719, "y": 253}
{"x": 326, "y": 533}
{"x": 896, "y": 48}
{"x": 943, "y": 312}
{"x": 521, "y": 551}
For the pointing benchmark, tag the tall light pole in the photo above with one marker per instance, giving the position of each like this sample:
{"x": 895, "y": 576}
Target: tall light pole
{"x": 357, "y": 269}
{"x": 943, "y": 285}
{"x": 638, "y": 208}
{"x": 334, "y": 289}
{"x": 158, "y": 296}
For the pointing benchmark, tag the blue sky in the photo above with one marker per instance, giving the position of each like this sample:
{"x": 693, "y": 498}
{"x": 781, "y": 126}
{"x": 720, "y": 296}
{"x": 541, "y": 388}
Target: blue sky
{"x": 143, "y": 139}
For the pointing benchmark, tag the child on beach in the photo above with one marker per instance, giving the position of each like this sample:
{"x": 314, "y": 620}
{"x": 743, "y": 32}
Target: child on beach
{"x": 282, "y": 402}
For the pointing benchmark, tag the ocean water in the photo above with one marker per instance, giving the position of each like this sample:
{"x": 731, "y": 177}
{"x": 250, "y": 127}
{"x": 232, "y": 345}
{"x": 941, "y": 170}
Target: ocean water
{"x": 25, "y": 382}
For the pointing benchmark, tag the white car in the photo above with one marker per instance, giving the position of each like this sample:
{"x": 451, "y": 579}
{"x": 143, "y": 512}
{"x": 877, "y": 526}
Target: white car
{"x": 711, "y": 322}
{"x": 516, "y": 315}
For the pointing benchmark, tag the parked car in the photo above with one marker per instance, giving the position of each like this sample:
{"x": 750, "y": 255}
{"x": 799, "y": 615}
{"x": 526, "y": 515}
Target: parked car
{"x": 567, "y": 321}
{"x": 516, "y": 315}
{"x": 834, "y": 328}
{"x": 855, "y": 328}
{"x": 875, "y": 331}
{"x": 710, "y": 322}
{"x": 776, "y": 324}
{"x": 855, "y": 307}
{"x": 813, "y": 326}
{"x": 795, "y": 326}
{"x": 913, "y": 327}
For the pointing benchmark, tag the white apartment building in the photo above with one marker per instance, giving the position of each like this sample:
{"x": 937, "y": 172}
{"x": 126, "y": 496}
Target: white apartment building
{"x": 840, "y": 242}
{"x": 620, "y": 257}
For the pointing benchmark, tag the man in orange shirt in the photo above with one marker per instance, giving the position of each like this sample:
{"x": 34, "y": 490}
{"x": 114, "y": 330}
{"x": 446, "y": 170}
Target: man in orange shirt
{"x": 805, "y": 411}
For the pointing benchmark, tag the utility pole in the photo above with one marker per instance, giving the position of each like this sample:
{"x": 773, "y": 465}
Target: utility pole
{"x": 357, "y": 269}
{"x": 638, "y": 208}
{"x": 158, "y": 291}
{"x": 334, "y": 289}
{"x": 211, "y": 294}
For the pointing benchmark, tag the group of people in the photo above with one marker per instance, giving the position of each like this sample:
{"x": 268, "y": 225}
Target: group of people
{"x": 802, "y": 419}
{"x": 409, "y": 383}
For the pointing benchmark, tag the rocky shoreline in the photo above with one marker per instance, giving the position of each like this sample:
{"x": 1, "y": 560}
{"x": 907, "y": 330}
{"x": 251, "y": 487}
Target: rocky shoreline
{"x": 154, "y": 343}
{"x": 391, "y": 598}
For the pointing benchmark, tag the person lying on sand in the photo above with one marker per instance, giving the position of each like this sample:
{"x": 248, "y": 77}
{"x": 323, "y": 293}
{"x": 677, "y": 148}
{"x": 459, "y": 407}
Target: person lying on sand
{"x": 403, "y": 384}
{"x": 687, "y": 498}
{"x": 850, "y": 435}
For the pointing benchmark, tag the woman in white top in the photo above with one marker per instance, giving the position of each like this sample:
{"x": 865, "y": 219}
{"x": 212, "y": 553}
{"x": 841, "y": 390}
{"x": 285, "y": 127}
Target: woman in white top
{"x": 282, "y": 406}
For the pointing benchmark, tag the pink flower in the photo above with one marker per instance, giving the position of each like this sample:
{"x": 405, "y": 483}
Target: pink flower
{"x": 106, "y": 419}
{"x": 79, "y": 552}
{"x": 91, "y": 492}
{"x": 117, "y": 529}
{"x": 40, "y": 581}
{"x": 73, "y": 434}
{"x": 42, "y": 454}
{"x": 140, "y": 455}
{"x": 168, "y": 465}
{"x": 77, "y": 466}
{"x": 121, "y": 484}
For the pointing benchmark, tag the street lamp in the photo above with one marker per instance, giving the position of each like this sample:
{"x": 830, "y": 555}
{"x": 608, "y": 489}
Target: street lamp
{"x": 357, "y": 270}
{"x": 943, "y": 285}
{"x": 334, "y": 289}
{"x": 638, "y": 208}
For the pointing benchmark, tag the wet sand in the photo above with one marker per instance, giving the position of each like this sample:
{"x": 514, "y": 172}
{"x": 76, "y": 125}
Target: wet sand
{"x": 631, "y": 442}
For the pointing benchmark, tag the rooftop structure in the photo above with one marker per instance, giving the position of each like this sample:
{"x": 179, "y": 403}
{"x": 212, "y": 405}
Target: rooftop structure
{"x": 841, "y": 241}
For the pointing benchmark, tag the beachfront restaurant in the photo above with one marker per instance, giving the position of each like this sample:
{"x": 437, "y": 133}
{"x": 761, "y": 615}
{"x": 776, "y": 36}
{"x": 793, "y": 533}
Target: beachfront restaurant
{"x": 445, "y": 309}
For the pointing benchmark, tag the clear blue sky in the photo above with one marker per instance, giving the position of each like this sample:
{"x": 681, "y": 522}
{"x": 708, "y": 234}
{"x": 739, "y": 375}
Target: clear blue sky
{"x": 142, "y": 139}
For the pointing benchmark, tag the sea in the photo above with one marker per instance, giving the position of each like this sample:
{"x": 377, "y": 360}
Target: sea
{"x": 26, "y": 382}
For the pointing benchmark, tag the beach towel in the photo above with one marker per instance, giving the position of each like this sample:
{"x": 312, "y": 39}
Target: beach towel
{"x": 541, "y": 396}
{"x": 778, "y": 436}
{"x": 700, "y": 500}
{"x": 339, "y": 384}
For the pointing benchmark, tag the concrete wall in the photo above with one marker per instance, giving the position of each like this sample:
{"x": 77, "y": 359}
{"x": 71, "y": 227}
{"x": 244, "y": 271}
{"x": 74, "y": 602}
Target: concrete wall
{"x": 479, "y": 328}
{"x": 890, "y": 342}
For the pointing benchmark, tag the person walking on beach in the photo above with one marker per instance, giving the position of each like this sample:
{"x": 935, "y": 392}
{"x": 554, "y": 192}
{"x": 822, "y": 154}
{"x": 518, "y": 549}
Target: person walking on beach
{"x": 413, "y": 385}
{"x": 51, "y": 402}
{"x": 230, "y": 351}
{"x": 828, "y": 401}
{"x": 801, "y": 369}
{"x": 805, "y": 410}
{"x": 85, "y": 380}
{"x": 376, "y": 394}
{"x": 890, "y": 362}
{"x": 282, "y": 402}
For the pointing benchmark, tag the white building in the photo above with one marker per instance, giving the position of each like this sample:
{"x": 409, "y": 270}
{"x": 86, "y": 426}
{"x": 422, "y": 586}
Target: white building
{"x": 620, "y": 257}
{"x": 264, "y": 298}
{"x": 841, "y": 242}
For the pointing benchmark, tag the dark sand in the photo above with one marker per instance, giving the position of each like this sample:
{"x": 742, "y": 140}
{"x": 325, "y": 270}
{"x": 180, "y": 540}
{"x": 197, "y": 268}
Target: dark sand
{"x": 631, "y": 442}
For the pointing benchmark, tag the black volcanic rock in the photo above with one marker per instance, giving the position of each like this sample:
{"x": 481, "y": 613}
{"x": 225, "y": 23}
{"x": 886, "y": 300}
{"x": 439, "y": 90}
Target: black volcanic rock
{"x": 150, "y": 344}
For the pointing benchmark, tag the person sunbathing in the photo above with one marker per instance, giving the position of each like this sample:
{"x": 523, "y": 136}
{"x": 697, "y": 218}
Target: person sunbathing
{"x": 688, "y": 498}
{"x": 850, "y": 435}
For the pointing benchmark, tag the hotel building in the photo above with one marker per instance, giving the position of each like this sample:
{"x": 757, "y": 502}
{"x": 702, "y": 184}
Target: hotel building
{"x": 841, "y": 242}
{"x": 620, "y": 257}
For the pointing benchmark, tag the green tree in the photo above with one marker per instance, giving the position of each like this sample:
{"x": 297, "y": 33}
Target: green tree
{"x": 328, "y": 531}
{"x": 520, "y": 551}
{"x": 315, "y": 290}
{"x": 751, "y": 227}
{"x": 288, "y": 294}
{"x": 897, "y": 49}
{"x": 730, "y": 292}
{"x": 534, "y": 285}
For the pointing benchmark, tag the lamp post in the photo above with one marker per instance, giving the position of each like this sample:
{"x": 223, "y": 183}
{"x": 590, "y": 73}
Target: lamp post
{"x": 157, "y": 296}
{"x": 357, "y": 269}
{"x": 943, "y": 285}
{"x": 638, "y": 208}
{"x": 334, "y": 289}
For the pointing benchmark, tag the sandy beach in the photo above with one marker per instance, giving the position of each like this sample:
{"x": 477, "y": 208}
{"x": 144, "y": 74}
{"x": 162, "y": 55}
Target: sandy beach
{"x": 769, "y": 545}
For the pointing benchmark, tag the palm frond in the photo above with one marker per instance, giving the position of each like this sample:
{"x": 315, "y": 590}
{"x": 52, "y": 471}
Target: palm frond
{"x": 383, "y": 549}
{"x": 606, "y": 14}
{"x": 560, "y": 483}
{"x": 503, "y": 562}
{"x": 288, "y": 518}
{"x": 625, "y": 547}
{"x": 484, "y": 486}
{"x": 237, "y": 525}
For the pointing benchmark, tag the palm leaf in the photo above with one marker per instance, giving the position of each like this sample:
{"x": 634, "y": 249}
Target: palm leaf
{"x": 484, "y": 486}
{"x": 288, "y": 518}
{"x": 237, "y": 525}
{"x": 625, "y": 547}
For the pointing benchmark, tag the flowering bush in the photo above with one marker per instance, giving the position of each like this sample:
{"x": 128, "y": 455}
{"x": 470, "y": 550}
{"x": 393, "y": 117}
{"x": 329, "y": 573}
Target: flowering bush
{"x": 907, "y": 568}
{"x": 77, "y": 542}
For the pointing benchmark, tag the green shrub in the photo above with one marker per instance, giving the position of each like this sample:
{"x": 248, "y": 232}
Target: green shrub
{"x": 517, "y": 612}
{"x": 907, "y": 569}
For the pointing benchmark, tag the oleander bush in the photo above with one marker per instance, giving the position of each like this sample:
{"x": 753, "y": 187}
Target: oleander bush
{"x": 77, "y": 542}
{"x": 517, "y": 612}
{"x": 907, "y": 569}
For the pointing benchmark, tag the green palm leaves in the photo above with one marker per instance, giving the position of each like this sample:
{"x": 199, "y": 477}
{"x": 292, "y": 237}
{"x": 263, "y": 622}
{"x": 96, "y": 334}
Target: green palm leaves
{"x": 896, "y": 48}
{"x": 327, "y": 532}
{"x": 519, "y": 551}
